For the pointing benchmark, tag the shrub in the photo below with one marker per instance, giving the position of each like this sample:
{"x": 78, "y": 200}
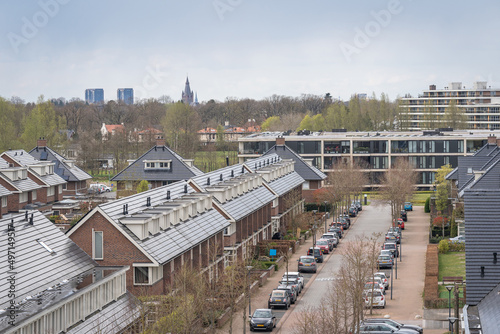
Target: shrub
{"x": 456, "y": 247}
{"x": 438, "y": 221}
{"x": 271, "y": 263}
{"x": 427, "y": 207}
{"x": 444, "y": 246}
{"x": 435, "y": 240}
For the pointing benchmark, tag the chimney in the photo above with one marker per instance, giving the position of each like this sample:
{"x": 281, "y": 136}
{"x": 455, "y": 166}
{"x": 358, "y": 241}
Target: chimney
{"x": 280, "y": 141}
{"x": 492, "y": 140}
{"x": 160, "y": 141}
{"x": 41, "y": 142}
{"x": 498, "y": 142}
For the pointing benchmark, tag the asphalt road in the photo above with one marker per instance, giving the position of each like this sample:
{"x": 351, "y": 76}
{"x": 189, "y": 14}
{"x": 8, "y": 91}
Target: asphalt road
{"x": 372, "y": 219}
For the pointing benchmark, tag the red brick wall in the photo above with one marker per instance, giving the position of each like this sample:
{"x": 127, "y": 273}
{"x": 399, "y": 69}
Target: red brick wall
{"x": 118, "y": 250}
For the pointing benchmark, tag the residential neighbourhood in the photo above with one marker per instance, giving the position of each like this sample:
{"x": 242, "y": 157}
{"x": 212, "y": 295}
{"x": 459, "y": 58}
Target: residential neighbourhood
{"x": 245, "y": 166}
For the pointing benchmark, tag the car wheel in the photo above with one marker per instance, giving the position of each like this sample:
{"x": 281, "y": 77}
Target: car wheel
{"x": 251, "y": 329}
{"x": 315, "y": 271}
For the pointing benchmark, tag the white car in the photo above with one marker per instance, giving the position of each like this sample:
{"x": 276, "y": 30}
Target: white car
{"x": 294, "y": 274}
{"x": 99, "y": 188}
{"x": 384, "y": 278}
{"x": 371, "y": 285}
{"x": 378, "y": 299}
{"x": 458, "y": 240}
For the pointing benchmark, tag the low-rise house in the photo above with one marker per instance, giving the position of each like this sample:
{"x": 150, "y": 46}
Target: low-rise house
{"x": 76, "y": 178}
{"x": 41, "y": 172}
{"x": 155, "y": 233}
{"x": 314, "y": 178}
{"x": 108, "y": 130}
{"x": 4, "y": 194}
{"x": 159, "y": 166}
{"x": 52, "y": 286}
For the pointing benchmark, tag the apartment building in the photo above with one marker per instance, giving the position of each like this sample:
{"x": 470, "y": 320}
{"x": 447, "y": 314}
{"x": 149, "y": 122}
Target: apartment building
{"x": 478, "y": 107}
{"x": 376, "y": 151}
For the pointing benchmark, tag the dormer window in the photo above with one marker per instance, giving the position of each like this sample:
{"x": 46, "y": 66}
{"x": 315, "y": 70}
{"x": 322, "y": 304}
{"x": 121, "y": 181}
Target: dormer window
{"x": 157, "y": 164}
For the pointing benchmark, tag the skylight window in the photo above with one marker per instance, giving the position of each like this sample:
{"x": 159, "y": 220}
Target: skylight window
{"x": 47, "y": 248}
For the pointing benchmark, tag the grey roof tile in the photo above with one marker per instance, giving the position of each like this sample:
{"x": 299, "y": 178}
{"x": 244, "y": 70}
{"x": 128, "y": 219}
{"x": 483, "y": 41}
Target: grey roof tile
{"x": 62, "y": 168}
{"x": 308, "y": 172}
{"x": 36, "y": 269}
{"x": 488, "y": 311}
{"x": 286, "y": 183}
{"x": 4, "y": 191}
{"x": 179, "y": 169}
{"x": 249, "y": 202}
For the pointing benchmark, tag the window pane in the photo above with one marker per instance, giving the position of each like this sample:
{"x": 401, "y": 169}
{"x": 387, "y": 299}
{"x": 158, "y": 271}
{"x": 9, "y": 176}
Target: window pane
{"x": 141, "y": 275}
{"x": 98, "y": 252}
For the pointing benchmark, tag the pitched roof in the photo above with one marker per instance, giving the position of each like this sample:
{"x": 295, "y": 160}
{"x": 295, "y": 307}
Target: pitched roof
{"x": 171, "y": 242}
{"x": 179, "y": 169}
{"x": 63, "y": 167}
{"x": 114, "y": 127}
{"x": 306, "y": 171}
{"x": 4, "y": 191}
{"x": 26, "y": 160}
{"x": 36, "y": 269}
{"x": 488, "y": 311}
{"x": 482, "y": 232}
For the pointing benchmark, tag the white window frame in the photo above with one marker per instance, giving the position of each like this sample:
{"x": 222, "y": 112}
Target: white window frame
{"x": 4, "y": 202}
{"x": 23, "y": 197}
{"x": 33, "y": 195}
{"x": 94, "y": 245}
{"x": 60, "y": 189}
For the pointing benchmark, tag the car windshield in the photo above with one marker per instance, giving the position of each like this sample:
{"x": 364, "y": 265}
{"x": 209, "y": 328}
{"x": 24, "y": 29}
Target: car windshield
{"x": 390, "y": 246}
{"x": 384, "y": 258}
{"x": 306, "y": 260}
{"x": 262, "y": 314}
{"x": 326, "y": 236}
{"x": 376, "y": 293}
{"x": 277, "y": 293}
{"x": 321, "y": 242}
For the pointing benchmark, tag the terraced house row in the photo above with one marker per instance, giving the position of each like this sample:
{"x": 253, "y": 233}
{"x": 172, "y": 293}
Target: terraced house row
{"x": 84, "y": 281}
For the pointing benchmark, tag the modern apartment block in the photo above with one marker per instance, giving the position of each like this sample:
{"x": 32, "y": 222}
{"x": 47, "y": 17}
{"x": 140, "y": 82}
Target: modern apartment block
{"x": 480, "y": 104}
{"x": 125, "y": 95}
{"x": 377, "y": 151}
{"x": 94, "y": 95}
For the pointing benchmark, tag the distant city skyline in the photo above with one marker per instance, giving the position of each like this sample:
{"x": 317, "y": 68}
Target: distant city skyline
{"x": 58, "y": 48}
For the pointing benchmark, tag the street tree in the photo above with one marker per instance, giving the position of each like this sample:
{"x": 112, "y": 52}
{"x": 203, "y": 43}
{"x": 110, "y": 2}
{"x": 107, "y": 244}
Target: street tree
{"x": 181, "y": 124}
{"x": 442, "y": 193}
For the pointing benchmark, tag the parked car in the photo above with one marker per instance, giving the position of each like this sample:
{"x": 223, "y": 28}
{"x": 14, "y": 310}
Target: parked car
{"x": 295, "y": 274}
{"x": 293, "y": 282}
{"x": 408, "y": 206}
{"x": 386, "y": 252}
{"x": 458, "y": 239}
{"x": 391, "y": 246}
{"x": 336, "y": 229}
{"x": 384, "y": 278}
{"x": 307, "y": 264}
{"x": 280, "y": 298}
{"x": 381, "y": 328}
{"x": 394, "y": 323}
{"x": 332, "y": 237}
{"x": 99, "y": 188}
{"x": 404, "y": 215}
{"x": 401, "y": 223}
{"x": 379, "y": 281}
{"x": 384, "y": 261}
{"x": 396, "y": 230}
{"x": 316, "y": 252}
{"x": 375, "y": 298}
{"x": 353, "y": 212}
{"x": 344, "y": 223}
{"x": 293, "y": 292}
{"x": 346, "y": 217}
{"x": 369, "y": 286}
{"x": 357, "y": 204}
{"x": 262, "y": 318}
{"x": 391, "y": 237}
{"x": 324, "y": 245}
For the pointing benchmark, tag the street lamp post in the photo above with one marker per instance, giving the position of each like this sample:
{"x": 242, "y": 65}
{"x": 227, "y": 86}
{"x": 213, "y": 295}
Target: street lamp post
{"x": 452, "y": 321}
{"x": 449, "y": 288}
{"x": 249, "y": 293}
{"x": 326, "y": 230}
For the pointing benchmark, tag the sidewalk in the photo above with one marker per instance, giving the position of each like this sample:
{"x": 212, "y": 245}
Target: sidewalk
{"x": 259, "y": 299}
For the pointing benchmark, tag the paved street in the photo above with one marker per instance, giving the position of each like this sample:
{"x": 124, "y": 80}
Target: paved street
{"x": 406, "y": 304}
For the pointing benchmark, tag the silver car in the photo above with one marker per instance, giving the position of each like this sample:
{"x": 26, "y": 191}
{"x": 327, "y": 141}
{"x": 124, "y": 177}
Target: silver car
{"x": 307, "y": 264}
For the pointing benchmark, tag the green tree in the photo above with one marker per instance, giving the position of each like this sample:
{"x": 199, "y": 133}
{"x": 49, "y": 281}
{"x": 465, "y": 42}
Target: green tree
{"x": 454, "y": 117}
{"x": 8, "y": 135}
{"x": 271, "y": 123}
{"x": 42, "y": 121}
{"x": 142, "y": 186}
{"x": 306, "y": 124}
{"x": 181, "y": 124}
{"x": 318, "y": 122}
{"x": 442, "y": 193}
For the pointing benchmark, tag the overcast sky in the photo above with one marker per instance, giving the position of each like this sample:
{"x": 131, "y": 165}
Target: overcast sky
{"x": 245, "y": 48}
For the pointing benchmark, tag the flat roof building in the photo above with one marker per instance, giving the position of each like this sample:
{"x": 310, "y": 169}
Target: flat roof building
{"x": 375, "y": 151}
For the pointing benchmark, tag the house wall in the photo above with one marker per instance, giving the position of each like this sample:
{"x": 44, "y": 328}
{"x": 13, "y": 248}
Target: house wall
{"x": 118, "y": 250}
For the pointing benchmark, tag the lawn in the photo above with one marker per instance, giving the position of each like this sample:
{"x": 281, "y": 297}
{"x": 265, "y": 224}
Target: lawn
{"x": 418, "y": 198}
{"x": 450, "y": 264}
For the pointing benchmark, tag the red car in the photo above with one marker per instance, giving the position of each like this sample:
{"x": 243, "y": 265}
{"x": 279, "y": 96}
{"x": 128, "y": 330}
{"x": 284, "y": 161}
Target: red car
{"x": 401, "y": 223}
{"x": 323, "y": 245}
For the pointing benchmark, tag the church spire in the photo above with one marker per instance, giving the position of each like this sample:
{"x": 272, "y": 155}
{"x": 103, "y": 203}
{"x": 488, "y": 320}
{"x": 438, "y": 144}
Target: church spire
{"x": 187, "y": 94}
